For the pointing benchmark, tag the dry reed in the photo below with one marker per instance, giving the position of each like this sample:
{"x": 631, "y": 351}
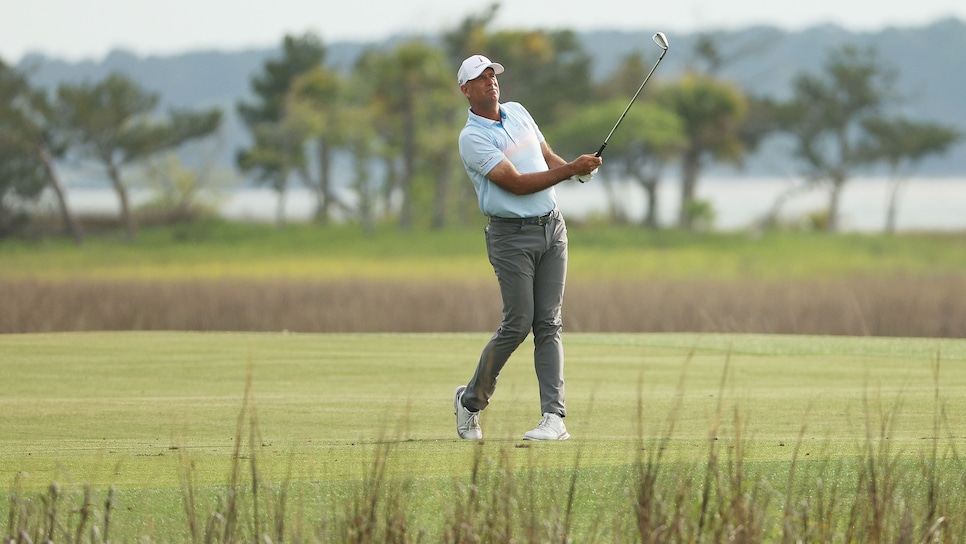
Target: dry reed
{"x": 898, "y": 306}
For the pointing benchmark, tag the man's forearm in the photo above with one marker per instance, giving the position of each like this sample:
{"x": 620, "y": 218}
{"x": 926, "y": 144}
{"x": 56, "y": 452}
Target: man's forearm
{"x": 525, "y": 184}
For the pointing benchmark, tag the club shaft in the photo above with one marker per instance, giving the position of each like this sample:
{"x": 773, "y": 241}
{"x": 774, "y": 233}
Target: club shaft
{"x": 631, "y": 103}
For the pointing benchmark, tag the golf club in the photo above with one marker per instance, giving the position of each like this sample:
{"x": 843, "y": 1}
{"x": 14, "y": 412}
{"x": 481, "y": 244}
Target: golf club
{"x": 661, "y": 40}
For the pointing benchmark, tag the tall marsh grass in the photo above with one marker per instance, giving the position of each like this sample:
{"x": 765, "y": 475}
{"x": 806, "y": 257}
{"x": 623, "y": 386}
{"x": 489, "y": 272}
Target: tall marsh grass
{"x": 897, "y": 306}
{"x": 877, "y": 495}
{"x": 226, "y": 276}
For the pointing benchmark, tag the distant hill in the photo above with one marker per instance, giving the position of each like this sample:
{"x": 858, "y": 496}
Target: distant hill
{"x": 930, "y": 60}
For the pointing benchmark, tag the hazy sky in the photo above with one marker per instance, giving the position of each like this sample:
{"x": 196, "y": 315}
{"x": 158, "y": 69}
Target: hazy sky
{"x": 88, "y": 29}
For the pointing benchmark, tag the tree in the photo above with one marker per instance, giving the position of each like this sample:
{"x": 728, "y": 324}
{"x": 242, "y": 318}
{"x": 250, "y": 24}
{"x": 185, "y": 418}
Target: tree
{"x": 413, "y": 102}
{"x": 827, "y": 118}
{"x": 548, "y": 72}
{"x": 760, "y": 124}
{"x": 277, "y": 149}
{"x": 712, "y": 113}
{"x": 713, "y": 53}
{"x": 29, "y": 143}
{"x": 113, "y": 122}
{"x": 904, "y": 143}
{"x": 364, "y": 145}
{"x": 316, "y": 109}
{"x": 180, "y": 193}
{"x": 648, "y": 139}
{"x": 469, "y": 37}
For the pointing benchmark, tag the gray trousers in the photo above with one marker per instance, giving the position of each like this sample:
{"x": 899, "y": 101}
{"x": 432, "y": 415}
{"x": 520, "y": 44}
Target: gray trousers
{"x": 530, "y": 262}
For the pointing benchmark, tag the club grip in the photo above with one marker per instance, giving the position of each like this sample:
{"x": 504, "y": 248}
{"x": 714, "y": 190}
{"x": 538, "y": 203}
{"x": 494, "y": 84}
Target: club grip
{"x": 601, "y": 150}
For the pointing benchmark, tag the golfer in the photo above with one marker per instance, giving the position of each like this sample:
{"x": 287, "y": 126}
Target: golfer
{"x": 514, "y": 172}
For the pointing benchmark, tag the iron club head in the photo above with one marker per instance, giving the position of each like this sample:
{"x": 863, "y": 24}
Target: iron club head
{"x": 661, "y": 40}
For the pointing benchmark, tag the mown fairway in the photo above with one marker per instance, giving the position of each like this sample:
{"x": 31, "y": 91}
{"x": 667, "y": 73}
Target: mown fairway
{"x": 133, "y": 409}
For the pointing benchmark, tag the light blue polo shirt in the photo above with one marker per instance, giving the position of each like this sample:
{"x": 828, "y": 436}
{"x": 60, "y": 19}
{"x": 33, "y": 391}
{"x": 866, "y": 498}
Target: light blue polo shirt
{"x": 484, "y": 143}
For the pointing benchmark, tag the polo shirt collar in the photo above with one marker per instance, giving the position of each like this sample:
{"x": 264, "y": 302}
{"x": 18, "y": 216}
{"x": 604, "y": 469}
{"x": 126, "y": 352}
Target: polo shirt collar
{"x": 486, "y": 120}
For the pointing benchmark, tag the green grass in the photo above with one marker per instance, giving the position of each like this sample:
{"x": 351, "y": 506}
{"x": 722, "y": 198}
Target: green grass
{"x": 132, "y": 409}
{"x": 232, "y": 250}
{"x": 143, "y": 411}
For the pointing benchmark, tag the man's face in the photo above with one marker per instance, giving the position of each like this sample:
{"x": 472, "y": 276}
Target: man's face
{"x": 484, "y": 88}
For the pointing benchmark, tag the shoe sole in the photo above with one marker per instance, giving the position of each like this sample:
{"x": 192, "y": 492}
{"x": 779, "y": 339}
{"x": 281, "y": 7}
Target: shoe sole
{"x": 564, "y": 436}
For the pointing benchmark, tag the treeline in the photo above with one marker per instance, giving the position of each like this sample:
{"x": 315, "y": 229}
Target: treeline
{"x": 389, "y": 127}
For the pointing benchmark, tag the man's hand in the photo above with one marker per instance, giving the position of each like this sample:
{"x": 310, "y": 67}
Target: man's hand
{"x": 586, "y": 166}
{"x": 585, "y": 178}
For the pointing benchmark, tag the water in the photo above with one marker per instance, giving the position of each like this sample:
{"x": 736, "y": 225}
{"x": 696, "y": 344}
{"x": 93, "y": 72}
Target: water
{"x": 937, "y": 204}
{"x": 925, "y": 204}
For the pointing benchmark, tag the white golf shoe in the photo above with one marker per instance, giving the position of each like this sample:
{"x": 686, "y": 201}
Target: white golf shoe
{"x": 467, "y": 422}
{"x": 551, "y": 427}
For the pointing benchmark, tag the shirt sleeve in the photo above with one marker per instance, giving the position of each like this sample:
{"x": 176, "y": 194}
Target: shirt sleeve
{"x": 479, "y": 152}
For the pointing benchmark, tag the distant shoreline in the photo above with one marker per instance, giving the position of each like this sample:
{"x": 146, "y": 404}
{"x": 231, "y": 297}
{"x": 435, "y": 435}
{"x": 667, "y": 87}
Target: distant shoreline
{"x": 933, "y": 204}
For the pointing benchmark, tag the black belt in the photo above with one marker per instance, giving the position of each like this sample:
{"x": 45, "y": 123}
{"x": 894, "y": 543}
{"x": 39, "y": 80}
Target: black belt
{"x": 539, "y": 220}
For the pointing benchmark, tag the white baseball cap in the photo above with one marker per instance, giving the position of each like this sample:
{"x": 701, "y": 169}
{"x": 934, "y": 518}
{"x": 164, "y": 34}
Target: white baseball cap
{"x": 474, "y": 66}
